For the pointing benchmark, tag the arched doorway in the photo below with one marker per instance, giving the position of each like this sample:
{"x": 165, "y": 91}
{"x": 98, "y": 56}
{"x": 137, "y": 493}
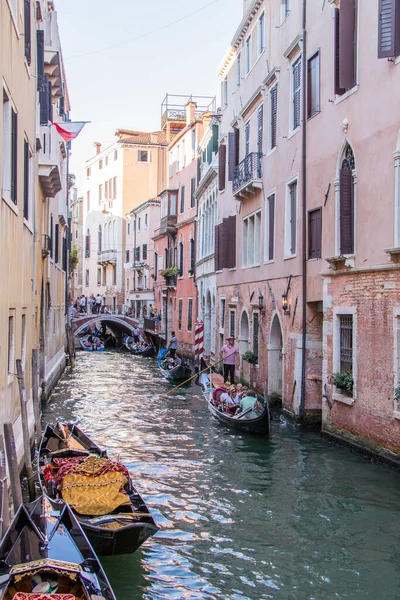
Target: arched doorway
{"x": 275, "y": 359}
{"x": 244, "y": 333}
{"x": 207, "y": 325}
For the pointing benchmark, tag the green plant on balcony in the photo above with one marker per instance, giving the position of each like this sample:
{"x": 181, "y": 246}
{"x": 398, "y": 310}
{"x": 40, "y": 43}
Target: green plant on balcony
{"x": 170, "y": 272}
{"x": 251, "y": 357}
{"x": 343, "y": 381}
{"x": 73, "y": 259}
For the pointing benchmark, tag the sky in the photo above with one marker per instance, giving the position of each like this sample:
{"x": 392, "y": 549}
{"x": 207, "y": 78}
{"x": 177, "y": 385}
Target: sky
{"x": 116, "y": 80}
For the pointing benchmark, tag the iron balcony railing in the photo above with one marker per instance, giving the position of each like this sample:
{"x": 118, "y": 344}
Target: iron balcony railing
{"x": 247, "y": 171}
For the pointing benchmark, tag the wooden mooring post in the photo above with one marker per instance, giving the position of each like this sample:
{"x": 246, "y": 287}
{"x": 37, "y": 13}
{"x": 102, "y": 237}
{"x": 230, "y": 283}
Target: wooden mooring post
{"x": 35, "y": 395}
{"x": 12, "y": 460}
{"x": 70, "y": 345}
{"x": 4, "y": 503}
{"x": 25, "y": 430}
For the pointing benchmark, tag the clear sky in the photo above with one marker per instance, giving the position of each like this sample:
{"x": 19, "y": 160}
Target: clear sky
{"x": 117, "y": 81}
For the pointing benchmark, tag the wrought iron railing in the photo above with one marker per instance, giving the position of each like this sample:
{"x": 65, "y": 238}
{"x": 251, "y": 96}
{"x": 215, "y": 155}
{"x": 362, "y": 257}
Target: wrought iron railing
{"x": 248, "y": 170}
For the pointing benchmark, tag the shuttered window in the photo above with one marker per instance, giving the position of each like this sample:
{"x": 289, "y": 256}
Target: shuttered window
{"x": 40, "y": 58}
{"x": 64, "y": 253}
{"x": 314, "y": 233}
{"x": 296, "y": 94}
{"x": 222, "y": 167}
{"x": 144, "y": 251}
{"x": 26, "y": 179}
{"x": 291, "y": 220}
{"x": 260, "y": 128}
{"x": 389, "y": 28}
{"x": 44, "y": 100}
{"x": 137, "y": 253}
{"x": 127, "y": 256}
{"x": 192, "y": 257}
{"x": 247, "y": 139}
{"x": 190, "y": 315}
{"x": 180, "y": 307}
{"x": 14, "y": 155}
{"x": 50, "y": 242}
{"x": 233, "y": 150}
{"x": 346, "y": 209}
{"x": 192, "y": 192}
{"x": 181, "y": 258}
{"x": 230, "y": 226}
{"x": 270, "y": 228}
{"x": 27, "y": 31}
{"x": 345, "y": 46}
{"x": 273, "y": 115}
{"x": 57, "y": 243}
{"x": 313, "y": 85}
{"x": 182, "y": 207}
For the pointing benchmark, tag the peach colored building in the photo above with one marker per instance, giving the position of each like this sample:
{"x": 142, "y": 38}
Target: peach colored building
{"x": 174, "y": 242}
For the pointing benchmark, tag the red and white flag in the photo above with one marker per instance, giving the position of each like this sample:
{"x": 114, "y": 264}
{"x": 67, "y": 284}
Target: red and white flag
{"x": 69, "y": 130}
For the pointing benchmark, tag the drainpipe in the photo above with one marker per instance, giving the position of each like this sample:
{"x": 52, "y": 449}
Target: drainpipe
{"x": 304, "y": 210}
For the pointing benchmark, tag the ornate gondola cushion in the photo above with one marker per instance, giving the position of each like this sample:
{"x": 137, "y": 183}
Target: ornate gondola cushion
{"x": 32, "y": 596}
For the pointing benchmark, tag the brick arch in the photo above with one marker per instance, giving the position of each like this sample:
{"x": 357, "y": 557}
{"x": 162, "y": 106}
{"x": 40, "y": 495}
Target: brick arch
{"x": 124, "y": 323}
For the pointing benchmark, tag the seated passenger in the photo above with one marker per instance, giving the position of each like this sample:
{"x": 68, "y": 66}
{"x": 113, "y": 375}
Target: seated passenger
{"x": 249, "y": 402}
{"x": 177, "y": 361}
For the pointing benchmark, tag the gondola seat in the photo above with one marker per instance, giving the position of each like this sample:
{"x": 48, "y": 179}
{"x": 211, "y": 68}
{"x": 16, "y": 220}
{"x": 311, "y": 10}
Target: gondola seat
{"x": 33, "y": 596}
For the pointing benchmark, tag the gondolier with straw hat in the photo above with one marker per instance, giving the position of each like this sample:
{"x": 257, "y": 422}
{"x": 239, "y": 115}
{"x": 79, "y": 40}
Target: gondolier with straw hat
{"x": 228, "y": 354}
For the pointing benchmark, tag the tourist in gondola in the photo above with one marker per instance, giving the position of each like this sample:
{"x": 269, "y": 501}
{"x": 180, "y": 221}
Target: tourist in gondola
{"x": 228, "y": 354}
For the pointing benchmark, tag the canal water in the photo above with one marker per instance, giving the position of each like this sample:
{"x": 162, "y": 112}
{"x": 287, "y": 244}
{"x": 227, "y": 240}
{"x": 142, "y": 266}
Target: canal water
{"x": 241, "y": 517}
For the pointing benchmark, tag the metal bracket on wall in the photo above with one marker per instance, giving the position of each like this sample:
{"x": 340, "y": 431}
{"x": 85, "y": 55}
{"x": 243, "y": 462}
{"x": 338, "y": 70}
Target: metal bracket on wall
{"x": 327, "y": 194}
{"x": 294, "y": 310}
{"x": 271, "y": 294}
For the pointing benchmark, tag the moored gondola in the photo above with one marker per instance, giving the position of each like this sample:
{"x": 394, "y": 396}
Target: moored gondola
{"x": 251, "y": 421}
{"x": 46, "y": 555}
{"x": 73, "y": 468}
{"x": 91, "y": 344}
{"x": 146, "y": 350}
{"x": 170, "y": 370}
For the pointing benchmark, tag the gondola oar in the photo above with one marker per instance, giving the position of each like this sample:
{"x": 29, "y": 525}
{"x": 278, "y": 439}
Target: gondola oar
{"x": 193, "y": 376}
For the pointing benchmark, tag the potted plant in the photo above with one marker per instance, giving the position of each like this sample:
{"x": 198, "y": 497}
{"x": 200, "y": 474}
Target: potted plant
{"x": 397, "y": 393}
{"x": 170, "y": 272}
{"x": 344, "y": 382}
{"x": 251, "y": 357}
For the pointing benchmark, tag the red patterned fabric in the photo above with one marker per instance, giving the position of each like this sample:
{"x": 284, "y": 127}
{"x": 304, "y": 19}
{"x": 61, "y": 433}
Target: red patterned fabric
{"x": 25, "y": 596}
{"x": 90, "y": 466}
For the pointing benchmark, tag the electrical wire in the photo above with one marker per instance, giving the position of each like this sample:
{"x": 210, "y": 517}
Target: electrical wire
{"x": 143, "y": 35}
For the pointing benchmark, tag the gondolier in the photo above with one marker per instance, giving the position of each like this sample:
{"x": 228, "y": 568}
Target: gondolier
{"x": 173, "y": 345}
{"x": 136, "y": 334}
{"x": 228, "y": 354}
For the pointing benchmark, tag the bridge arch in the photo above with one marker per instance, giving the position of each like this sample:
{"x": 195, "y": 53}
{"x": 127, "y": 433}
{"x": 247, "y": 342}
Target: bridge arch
{"x": 122, "y": 322}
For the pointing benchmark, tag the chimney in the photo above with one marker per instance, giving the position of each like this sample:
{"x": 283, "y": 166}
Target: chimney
{"x": 97, "y": 145}
{"x": 190, "y": 112}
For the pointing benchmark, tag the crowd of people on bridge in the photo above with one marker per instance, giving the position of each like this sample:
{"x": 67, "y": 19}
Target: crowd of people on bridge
{"x": 88, "y": 305}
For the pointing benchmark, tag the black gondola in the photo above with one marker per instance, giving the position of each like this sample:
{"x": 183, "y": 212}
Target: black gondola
{"x": 245, "y": 421}
{"x": 179, "y": 373}
{"x": 45, "y": 554}
{"x": 145, "y": 351}
{"x": 119, "y": 530}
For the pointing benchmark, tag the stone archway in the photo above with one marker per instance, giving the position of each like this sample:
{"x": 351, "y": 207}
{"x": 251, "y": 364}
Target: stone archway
{"x": 275, "y": 358}
{"x": 207, "y": 325}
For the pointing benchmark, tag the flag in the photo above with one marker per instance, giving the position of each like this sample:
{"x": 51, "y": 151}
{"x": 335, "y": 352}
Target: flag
{"x": 69, "y": 130}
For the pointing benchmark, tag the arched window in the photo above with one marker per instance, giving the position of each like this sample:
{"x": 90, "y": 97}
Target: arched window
{"x": 181, "y": 257}
{"x": 346, "y": 202}
{"x": 99, "y": 239}
{"x": 244, "y": 333}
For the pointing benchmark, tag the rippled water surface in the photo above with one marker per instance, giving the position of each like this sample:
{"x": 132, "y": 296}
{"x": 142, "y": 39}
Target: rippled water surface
{"x": 241, "y": 517}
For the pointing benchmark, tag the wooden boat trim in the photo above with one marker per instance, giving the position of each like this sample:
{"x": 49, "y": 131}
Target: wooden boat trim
{"x": 51, "y": 563}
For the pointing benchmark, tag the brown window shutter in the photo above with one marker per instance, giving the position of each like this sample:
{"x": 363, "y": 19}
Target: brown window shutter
{"x": 231, "y": 154}
{"x": 216, "y": 248}
{"x": 274, "y": 116}
{"x": 222, "y": 166}
{"x": 271, "y": 228}
{"x": 14, "y": 156}
{"x": 346, "y": 211}
{"x": 388, "y": 28}
{"x": 338, "y": 90}
{"x": 318, "y": 233}
{"x": 260, "y": 119}
{"x": 225, "y": 243}
{"x": 347, "y": 44}
{"x": 296, "y": 94}
{"x": 237, "y": 145}
{"x": 27, "y": 31}
{"x": 293, "y": 217}
{"x": 231, "y": 232}
{"x": 314, "y": 233}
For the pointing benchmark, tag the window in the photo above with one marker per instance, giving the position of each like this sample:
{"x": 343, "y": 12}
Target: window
{"x": 247, "y": 139}
{"x": 144, "y": 252}
{"x": 388, "y": 30}
{"x": 104, "y": 275}
{"x": 127, "y": 256}
{"x": 27, "y": 179}
{"x": 51, "y": 236}
{"x": 114, "y": 188}
{"x": 260, "y": 128}
{"x": 11, "y": 344}
{"x": 143, "y": 156}
{"x": 87, "y": 278}
{"x": 255, "y": 333}
{"x": 314, "y": 233}
{"x": 345, "y": 46}
{"x": 181, "y": 258}
{"x": 251, "y": 240}
{"x": 64, "y": 251}
{"x": 10, "y": 150}
{"x": 182, "y": 207}
{"x": 99, "y": 276}
{"x": 190, "y": 314}
{"x": 87, "y": 244}
{"x": 273, "y": 117}
{"x": 192, "y": 256}
{"x": 145, "y": 220}
{"x": 114, "y": 275}
{"x": 225, "y": 92}
{"x": 27, "y": 31}
{"x": 296, "y": 87}
{"x": 88, "y": 172}
{"x": 100, "y": 193}
{"x": 232, "y": 323}
{"x": 180, "y": 308}
{"x": 291, "y": 220}
{"x": 238, "y": 70}
{"x": 248, "y": 54}
{"x": 270, "y": 228}
{"x": 346, "y": 343}
{"x": 313, "y": 92}
{"x": 137, "y": 253}
{"x": 222, "y": 313}
{"x": 193, "y": 138}
{"x": 100, "y": 164}
{"x": 88, "y": 201}
{"x": 106, "y": 190}
{"x": 129, "y": 229}
{"x": 285, "y": 9}
{"x": 193, "y": 192}
{"x": 346, "y": 203}
{"x": 115, "y": 154}
{"x": 261, "y": 34}
{"x": 56, "y": 243}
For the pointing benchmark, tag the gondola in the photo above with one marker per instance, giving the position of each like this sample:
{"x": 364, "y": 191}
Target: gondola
{"x": 179, "y": 373}
{"x": 73, "y": 468}
{"x": 146, "y": 351}
{"x": 91, "y": 346}
{"x": 45, "y": 555}
{"x": 245, "y": 421}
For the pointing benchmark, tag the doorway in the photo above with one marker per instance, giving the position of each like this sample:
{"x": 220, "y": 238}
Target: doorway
{"x": 275, "y": 359}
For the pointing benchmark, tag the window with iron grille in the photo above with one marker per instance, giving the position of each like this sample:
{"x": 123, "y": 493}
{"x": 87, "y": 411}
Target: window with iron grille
{"x": 180, "y": 308}
{"x": 190, "y": 315}
{"x": 346, "y": 343}
{"x": 255, "y": 333}
{"x": 144, "y": 252}
{"x": 232, "y": 323}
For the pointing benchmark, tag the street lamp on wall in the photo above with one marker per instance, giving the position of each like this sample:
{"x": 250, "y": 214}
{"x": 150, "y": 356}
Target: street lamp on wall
{"x": 285, "y": 304}
{"x": 260, "y": 301}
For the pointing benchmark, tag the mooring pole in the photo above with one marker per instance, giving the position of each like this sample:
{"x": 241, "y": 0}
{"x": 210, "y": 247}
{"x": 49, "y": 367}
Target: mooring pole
{"x": 25, "y": 430}
{"x": 4, "y": 505}
{"x": 35, "y": 395}
{"x": 12, "y": 461}
{"x": 70, "y": 345}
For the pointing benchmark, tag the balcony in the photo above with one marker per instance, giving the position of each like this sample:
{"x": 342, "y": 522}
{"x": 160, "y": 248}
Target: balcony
{"x": 50, "y": 161}
{"x": 247, "y": 176}
{"x": 107, "y": 257}
{"x": 168, "y": 225}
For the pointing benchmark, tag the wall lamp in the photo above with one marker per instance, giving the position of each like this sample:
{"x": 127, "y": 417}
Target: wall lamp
{"x": 285, "y": 304}
{"x": 261, "y": 301}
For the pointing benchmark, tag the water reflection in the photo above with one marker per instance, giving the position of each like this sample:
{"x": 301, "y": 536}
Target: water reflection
{"x": 241, "y": 517}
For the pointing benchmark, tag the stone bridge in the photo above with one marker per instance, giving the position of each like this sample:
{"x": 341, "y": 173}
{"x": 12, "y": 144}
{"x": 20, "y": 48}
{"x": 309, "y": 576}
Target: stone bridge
{"x": 118, "y": 323}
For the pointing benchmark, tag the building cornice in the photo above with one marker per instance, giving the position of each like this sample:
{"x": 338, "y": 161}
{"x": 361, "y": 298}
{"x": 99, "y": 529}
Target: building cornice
{"x": 272, "y": 76}
{"x": 253, "y": 98}
{"x": 294, "y": 46}
{"x": 205, "y": 182}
